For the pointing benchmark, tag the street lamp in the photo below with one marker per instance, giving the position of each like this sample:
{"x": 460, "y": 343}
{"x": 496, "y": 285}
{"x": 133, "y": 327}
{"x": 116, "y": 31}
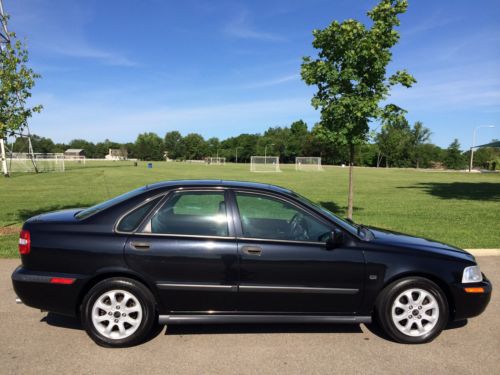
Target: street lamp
{"x": 474, "y": 143}
{"x": 237, "y": 153}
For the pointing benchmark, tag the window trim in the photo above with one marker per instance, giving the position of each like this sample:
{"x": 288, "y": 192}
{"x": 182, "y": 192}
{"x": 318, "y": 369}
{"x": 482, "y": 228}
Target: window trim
{"x": 143, "y": 203}
{"x": 236, "y": 213}
{"x": 229, "y": 216}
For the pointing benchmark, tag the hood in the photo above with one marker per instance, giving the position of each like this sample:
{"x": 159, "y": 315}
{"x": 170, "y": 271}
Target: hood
{"x": 66, "y": 216}
{"x": 411, "y": 243}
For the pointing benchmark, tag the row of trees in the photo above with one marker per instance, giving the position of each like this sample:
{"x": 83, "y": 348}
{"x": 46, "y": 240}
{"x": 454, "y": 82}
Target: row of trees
{"x": 397, "y": 145}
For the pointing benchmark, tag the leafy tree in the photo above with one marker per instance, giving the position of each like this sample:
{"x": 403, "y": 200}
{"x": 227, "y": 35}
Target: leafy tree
{"x": 16, "y": 83}
{"x": 149, "y": 146}
{"x": 213, "y": 147}
{"x": 420, "y": 136}
{"x": 454, "y": 158}
{"x": 173, "y": 144}
{"x": 195, "y": 147}
{"x": 246, "y": 144}
{"x": 40, "y": 144}
{"x": 351, "y": 78}
{"x": 298, "y": 134}
{"x": 394, "y": 142}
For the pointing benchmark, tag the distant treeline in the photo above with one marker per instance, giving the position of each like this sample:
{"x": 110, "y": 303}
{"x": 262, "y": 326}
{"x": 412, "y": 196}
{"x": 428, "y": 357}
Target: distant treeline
{"x": 396, "y": 145}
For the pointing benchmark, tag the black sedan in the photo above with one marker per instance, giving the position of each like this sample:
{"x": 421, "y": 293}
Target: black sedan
{"x": 185, "y": 252}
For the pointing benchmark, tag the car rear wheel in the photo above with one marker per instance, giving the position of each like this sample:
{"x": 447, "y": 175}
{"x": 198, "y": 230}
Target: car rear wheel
{"x": 412, "y": 310}
{"x": 118, "y": 312}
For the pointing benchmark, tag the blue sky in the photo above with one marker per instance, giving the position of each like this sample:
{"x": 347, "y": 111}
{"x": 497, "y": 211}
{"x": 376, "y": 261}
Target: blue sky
{"x": 113, "y": 69}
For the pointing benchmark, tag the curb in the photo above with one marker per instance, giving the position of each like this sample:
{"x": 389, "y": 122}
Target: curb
{"x": 484, "y": 252}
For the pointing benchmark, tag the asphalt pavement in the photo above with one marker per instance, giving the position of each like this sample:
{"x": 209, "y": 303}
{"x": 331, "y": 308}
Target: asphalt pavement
{"x": 32, "y": 342}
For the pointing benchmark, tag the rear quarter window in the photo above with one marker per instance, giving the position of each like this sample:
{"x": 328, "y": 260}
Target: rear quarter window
{"x": 131, "y": 221}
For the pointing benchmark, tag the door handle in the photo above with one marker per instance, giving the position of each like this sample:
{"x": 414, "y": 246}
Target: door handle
{"x": 141, "y": 245}
{"x": 252, "y": 250}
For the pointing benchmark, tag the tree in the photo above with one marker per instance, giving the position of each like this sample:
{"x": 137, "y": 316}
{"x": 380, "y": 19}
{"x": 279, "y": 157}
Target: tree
{"x": 16, "y": 82}
{"x": 173, "y": 142}
{"x": 420, "y": 136}
{"x": 454, "y": 158}
{"x": 149, "y": 146}
{"x": 40, "y": 144}
{"x": 350, "y": 75}
{"x": 394, "y": 142}
{"x": 195, "y": 147}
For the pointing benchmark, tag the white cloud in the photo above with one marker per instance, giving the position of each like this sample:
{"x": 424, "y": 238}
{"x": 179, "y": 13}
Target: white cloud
{"x": 240, "y": 27}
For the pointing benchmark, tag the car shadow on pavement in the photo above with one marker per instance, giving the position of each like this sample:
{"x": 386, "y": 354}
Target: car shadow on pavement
{"x": 221, "y": 329}
{"x": 62, "y": 321}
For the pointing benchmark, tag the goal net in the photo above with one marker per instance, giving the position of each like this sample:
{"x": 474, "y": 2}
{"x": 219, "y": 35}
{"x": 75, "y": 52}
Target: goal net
{"x": 217, "y": 161}
{"x": 265, "y": 164}
{"x": 25, "y": 162}
{"x": 308, "y": 163}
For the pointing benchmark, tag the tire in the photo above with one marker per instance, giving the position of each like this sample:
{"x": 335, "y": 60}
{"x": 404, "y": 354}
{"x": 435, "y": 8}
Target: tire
{"x": 119, "y": 312}
{"x": 413, "y": 310}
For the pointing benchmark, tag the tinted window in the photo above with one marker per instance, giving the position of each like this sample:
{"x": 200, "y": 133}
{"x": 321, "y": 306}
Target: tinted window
{"x": 267, "y": 217}
{"x": 191, "y": 213}
{"x": 102, "y": 206}
{"x": 134, "y": 218}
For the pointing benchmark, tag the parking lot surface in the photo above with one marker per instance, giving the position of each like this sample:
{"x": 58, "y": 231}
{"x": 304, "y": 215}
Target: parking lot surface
{"x": 32, "y": 342}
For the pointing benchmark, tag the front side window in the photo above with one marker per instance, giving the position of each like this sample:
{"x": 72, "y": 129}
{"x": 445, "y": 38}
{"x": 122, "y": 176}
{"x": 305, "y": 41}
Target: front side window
{"x": 271, "y": 218}
{"x": 201, "y": 213}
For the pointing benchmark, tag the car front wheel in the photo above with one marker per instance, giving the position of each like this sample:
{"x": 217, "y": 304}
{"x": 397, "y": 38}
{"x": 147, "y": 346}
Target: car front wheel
{"x": 118, "y": 312}
{"x": 412, "y": 310}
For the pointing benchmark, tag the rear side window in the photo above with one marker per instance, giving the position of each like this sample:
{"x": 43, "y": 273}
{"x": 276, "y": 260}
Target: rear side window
{"x": 132, "y": 220}
{"x": 201, "y": 213}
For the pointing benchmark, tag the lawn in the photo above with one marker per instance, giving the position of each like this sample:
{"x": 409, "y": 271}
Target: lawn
{"x": 458, "y": 208}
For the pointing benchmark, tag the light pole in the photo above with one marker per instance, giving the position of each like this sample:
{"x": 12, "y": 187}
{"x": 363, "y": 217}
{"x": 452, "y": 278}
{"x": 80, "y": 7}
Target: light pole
{"x": 237, "y": 153}
{"x": 474, "y": 143}
{"x": 265, "y": 152}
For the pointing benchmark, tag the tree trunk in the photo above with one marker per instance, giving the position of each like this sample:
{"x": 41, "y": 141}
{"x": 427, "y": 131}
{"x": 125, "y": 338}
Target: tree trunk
{"x": 351, "y": 182}
{"x": 3, "y": 158}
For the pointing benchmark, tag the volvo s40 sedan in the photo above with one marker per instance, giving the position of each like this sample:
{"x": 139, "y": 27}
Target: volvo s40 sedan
{"x": 237, "y": 252}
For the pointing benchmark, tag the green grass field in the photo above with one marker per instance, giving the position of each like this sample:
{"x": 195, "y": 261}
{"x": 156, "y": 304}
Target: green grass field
{"x": 458, "y": 208}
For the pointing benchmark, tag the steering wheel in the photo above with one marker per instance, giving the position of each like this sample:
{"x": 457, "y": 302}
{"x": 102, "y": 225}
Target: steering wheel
{"x": 298, "y": 228}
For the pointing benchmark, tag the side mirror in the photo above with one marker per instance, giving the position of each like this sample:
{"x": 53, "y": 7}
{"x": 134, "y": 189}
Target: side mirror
{"x": 335, "y": 239}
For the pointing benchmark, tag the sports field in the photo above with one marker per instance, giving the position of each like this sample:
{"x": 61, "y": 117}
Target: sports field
{"x": 458, "y": 208}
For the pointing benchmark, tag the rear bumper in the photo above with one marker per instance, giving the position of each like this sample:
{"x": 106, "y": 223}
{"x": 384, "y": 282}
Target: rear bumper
{"x": 468, "y": 305}
{"x": 38, "y": 290}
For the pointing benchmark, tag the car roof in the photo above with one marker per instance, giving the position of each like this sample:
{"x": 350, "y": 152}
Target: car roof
{"x": 218, "y": 183}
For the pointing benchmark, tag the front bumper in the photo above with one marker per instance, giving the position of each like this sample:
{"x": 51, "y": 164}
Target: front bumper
{"x": 36, "y": 290}
{"x": 468, "y": 305}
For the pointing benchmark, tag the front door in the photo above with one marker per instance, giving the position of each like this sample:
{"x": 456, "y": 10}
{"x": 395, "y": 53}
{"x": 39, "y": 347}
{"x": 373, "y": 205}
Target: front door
{"x": 188, "y": 249}
{"x": 285, "y": 266}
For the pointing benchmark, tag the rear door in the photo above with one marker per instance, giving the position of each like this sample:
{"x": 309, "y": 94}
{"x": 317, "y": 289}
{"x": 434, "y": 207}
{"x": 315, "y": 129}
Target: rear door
{"x": 188, "y": 249}
{"x": 285, "y": 266}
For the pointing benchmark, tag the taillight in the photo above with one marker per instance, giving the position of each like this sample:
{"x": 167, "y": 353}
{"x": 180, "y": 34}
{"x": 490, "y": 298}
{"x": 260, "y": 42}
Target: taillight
{"x": 24, "y": 242}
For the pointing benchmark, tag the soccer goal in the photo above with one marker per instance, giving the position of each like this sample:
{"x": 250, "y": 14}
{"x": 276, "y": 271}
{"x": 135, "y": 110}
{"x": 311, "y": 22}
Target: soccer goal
{"x": 308, "y": 163}
{"x": 25, "y": 162}
{"x": 216, "y": 161}
{"x": 265, "y": 164}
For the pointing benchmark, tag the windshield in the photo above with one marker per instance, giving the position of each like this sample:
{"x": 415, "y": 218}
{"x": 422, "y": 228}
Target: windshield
{"x": 350, "y": 226}
{"x": 102, "y": 206}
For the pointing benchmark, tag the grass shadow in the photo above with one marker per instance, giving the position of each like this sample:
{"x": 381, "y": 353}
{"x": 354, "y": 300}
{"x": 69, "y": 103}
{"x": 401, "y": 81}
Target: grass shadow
{"x": 484, "y": 191}
{"x": 336, "y": 209}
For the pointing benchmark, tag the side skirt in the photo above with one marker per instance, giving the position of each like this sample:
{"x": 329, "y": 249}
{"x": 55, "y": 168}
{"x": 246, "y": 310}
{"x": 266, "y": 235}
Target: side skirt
{"x": 235, "y": 319}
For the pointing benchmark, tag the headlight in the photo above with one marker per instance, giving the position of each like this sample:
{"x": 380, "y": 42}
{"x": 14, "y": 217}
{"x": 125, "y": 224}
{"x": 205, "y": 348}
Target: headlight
{"x": 472, "y": 275}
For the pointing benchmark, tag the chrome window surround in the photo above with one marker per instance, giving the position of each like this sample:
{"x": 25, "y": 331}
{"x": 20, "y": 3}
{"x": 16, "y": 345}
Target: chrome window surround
{"x": 300, "y": 208}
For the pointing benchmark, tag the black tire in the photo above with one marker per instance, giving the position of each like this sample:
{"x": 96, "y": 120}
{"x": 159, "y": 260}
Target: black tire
{"x": 146, "y": 302}
{"x": 384, "y": 310}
